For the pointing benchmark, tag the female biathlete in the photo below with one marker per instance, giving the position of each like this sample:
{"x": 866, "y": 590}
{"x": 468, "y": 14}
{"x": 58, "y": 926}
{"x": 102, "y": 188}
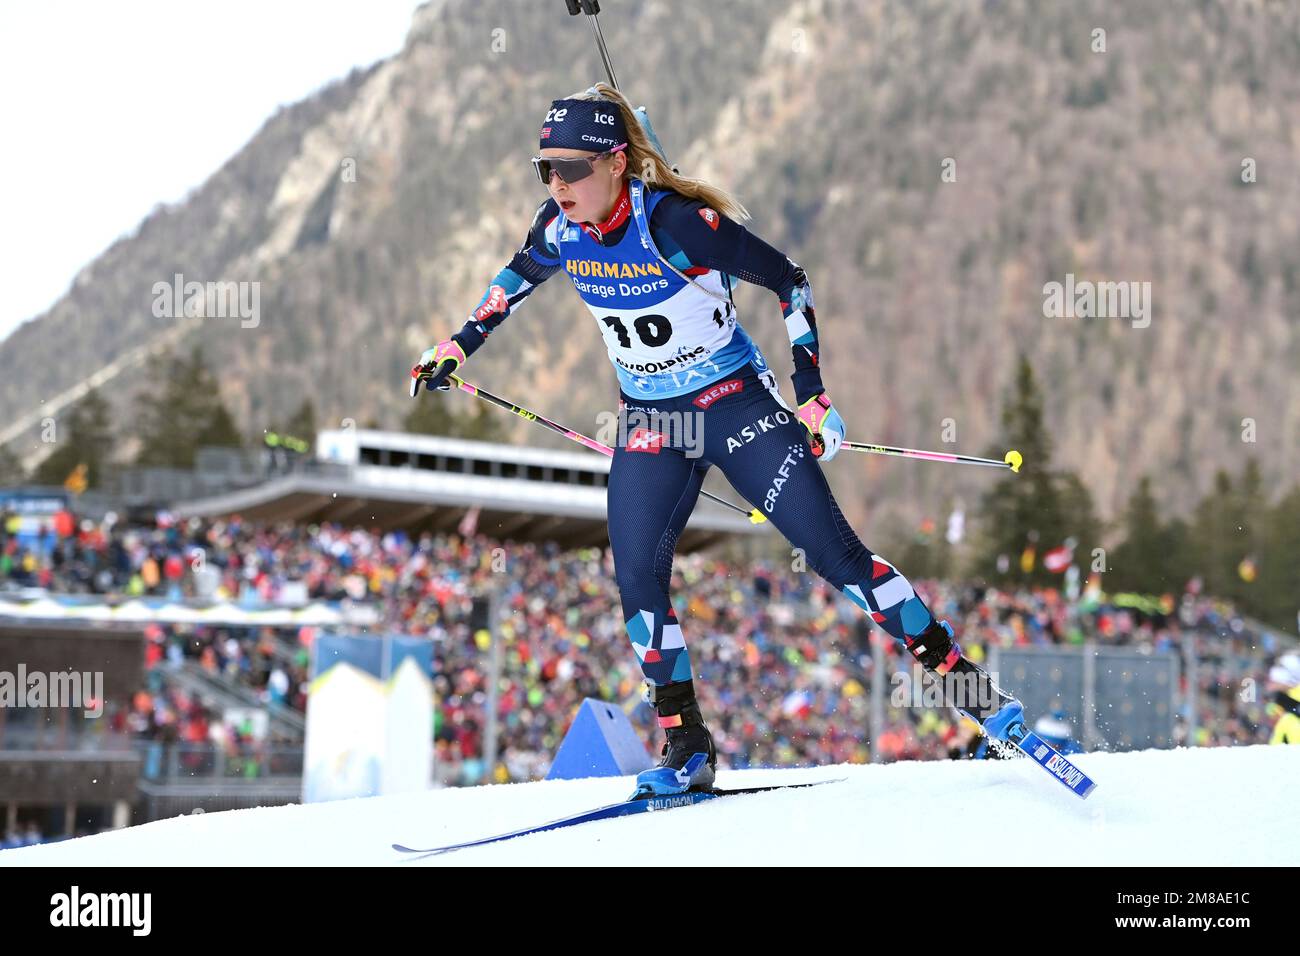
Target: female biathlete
{"x": 654, "y": 255}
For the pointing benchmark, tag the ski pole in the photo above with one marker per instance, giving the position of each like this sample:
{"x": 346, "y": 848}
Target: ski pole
{"x": 1013, "y": 459}
{"x": 755, "y": 516}
{"x": 591, "y": 8}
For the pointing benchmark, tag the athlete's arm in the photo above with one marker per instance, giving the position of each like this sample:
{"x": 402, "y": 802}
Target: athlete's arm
{"x": 709, "y": 240}
{"x": 537, "y": 259}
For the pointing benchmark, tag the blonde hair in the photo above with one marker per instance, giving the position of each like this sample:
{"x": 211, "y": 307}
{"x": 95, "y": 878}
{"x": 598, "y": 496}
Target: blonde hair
{"x": 648, "y": 164}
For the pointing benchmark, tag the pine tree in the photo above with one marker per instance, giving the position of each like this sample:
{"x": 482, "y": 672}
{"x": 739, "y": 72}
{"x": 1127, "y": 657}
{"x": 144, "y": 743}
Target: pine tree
{"x": 486, "y": 424}
{"x": 82, "y": 436}
{"x": 182, "y": 412}
{"x": 429, "y": 416}
{"x": 302, "y": 424}
{"x": 1038, "y": 504}
{"x": 1214, "y": 537}
{"x": 1136, "y": 564}
{"x": 1176, "y": 540}
{"x": 1278, "y": 597}
{"x": 1078, "y": 521}
{"x": 1250, "y": 511}
{"x": 433, "y": 415}
{"x": 11, "y": 468}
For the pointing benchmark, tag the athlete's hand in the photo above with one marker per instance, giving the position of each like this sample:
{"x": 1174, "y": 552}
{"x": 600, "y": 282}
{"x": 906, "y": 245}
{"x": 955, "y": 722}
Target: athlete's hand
{"x": 825, "y": 427}
{"x": 435, "y": 365}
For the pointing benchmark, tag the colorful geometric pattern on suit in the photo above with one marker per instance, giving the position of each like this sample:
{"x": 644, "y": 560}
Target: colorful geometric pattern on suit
{"x": 660, "y": 646}
{"x": 890, "y": 600}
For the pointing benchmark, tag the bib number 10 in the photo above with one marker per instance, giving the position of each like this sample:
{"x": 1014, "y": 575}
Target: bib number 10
{"x": 651, "y": 330}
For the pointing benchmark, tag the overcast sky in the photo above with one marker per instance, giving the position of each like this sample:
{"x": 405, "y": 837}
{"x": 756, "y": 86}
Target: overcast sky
{"x": 107, "y": 109}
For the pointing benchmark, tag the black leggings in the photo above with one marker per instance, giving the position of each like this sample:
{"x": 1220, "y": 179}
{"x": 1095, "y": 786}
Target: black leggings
{"x": 740, "y": 424}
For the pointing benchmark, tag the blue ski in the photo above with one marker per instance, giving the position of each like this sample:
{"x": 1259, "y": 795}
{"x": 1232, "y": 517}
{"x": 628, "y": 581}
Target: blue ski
{"x": 1047, "y": 757}
{"x": 623, "y": 809}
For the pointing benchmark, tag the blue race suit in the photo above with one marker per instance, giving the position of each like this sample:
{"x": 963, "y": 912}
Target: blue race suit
{"x": 695, "y": 391}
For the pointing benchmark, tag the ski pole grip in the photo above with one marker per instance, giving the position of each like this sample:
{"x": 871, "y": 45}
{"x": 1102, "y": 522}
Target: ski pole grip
{"x": 420, "y": 373}
{"x": 450, "y": 364}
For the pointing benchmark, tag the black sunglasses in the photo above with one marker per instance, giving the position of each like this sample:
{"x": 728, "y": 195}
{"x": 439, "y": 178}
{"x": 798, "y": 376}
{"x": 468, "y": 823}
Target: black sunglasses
{"x": 571, "y": 170}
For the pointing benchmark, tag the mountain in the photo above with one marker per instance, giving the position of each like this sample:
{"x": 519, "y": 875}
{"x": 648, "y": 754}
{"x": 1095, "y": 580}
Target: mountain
{"x": 373, "y": 214}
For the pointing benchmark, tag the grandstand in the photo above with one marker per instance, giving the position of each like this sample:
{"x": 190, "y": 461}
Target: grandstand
{"x": 390, "y": 480}
{"x": 214, "y": 719}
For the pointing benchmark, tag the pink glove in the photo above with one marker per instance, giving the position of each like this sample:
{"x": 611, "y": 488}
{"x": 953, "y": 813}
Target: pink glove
{"x": 825, "y": 427}
{"x": 436, "y": 364}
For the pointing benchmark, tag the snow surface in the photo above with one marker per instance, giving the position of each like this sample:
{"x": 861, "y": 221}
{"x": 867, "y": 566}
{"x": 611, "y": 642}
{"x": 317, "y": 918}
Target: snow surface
{"x": 1180, "y": 807}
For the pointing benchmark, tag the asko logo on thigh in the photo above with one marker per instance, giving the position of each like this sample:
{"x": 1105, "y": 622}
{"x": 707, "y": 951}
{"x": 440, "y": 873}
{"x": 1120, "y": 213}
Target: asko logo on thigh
{"x": 767, "y": 423}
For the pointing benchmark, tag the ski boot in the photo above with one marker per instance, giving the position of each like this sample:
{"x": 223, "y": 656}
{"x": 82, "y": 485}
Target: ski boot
{"x": 1003, "y": 717}
{"x": 689, "y": 757}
